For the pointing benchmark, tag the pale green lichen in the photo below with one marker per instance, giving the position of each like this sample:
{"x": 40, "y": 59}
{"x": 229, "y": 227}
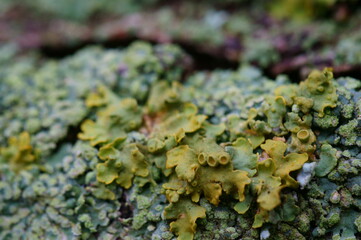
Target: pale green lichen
{"x": 350, "y": 131}
{"x": 204, "y": 151}
{"x": 199, "y": 167}
{"x": 327, "y": 162}
{"x": 48, "y": 117}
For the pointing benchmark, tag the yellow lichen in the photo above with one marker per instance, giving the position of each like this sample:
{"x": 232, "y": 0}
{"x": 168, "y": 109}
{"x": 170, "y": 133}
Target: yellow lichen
{"x": 319, "y": 87}
{"x": 267, "y": 185}
{"x": 112, "y": 123}
{"x": 275, "y": 113}
{"x": 162, "y": 96}
{"x": 186, "y": 213}
{"x": 205, "y": 169}
{"x": 184, "y": 159}
{"x": 101, "y": 97}
{"x": 121, "y": 165}
{"x": 284, "y": 164}
{"x": 178, "y": 143}
{"x": 179, "y": 122}
{"x": 19, "y": 153}
{"x": 250, "y": 129}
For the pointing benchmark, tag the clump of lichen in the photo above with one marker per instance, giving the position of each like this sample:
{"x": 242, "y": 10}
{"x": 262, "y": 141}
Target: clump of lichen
{"x": 156, "y": 158}
{"x": 62, "y": 198}
{"x": 45, "y": 194}
{"x": 19, "y": 153}
{"x": 183, "y": 145}
{"x": 48, "y": 102}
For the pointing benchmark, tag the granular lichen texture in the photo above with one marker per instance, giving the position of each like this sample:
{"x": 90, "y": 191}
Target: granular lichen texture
{"x": 163, "y": 159}
{"x": 160, "y": 141}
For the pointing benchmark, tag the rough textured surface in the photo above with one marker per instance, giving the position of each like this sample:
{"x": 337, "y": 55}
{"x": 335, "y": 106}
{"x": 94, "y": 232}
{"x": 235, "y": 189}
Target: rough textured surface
{"x": 218, "y": 157}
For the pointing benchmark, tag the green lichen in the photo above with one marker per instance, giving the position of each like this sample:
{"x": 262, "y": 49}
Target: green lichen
{"x": 202, "y": 152}
{"x": 350, "y": 131}
{"x": 186, "y": 214}
{"x": 177, "y": 142}
{"x": 122, "y": 163}
{"x": 284, "y": 164}
{"x": 19, "y": 153}
{"x": 319, "y": 87}
{"x": 328, "y": 160}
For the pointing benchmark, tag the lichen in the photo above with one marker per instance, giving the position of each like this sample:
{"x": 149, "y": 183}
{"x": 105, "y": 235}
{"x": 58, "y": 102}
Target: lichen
{"x": 163, "y": 158}
{"x": 197, "y": 165}
{"x": 328, "y": 160}
{"x": 19, "y": 153}
{"x": 186, "y": 214}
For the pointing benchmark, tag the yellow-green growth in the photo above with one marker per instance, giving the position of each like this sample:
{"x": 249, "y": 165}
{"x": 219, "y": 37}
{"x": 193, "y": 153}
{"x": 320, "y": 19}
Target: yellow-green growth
{"x": 179, "y": 122}
{"x": 112, "y": 123}
{"x": 162, "y": 96}
{"x": 213, "y": 181}
{"x": 284, "y": 164}
{"x": 19, "y": 153}
{"x": 185, "y": 161}
{"x": 242, "y": 207}
{"x": 213, "y": 130}
{"x": 101, "y": 97}
{"x": 102, "y": 192}
{"x": 317, "y": 92}
{"x": 320, "y": 88}
{"x": 266, "y": 185}
{"x": 302, "y": 136}
{"x": 208, "y": 151}
{"x": 242, "y": 156}
{"x": 186, "y": 214}
{"x": 251, "y": 129}
{"x": 121, "y": 165}
{"x": 203, "y": 167}
{"x": 260, "y": 218}
{"x": 182, "y": 145}
{"x": 275, "y": 113}
{"x": 157, "y": 150}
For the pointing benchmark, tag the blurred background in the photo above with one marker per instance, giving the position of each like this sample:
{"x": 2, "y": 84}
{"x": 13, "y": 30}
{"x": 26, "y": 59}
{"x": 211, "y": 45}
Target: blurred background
{"x": 280, "y": 36}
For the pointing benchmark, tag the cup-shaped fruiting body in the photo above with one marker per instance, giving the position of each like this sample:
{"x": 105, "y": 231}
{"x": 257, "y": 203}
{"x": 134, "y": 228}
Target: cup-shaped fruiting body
{"x": 212, "y": 162}
{"x": 202, "y": 158}
{"x": 224, "y": 159}
{"x": 303, "y": 135}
